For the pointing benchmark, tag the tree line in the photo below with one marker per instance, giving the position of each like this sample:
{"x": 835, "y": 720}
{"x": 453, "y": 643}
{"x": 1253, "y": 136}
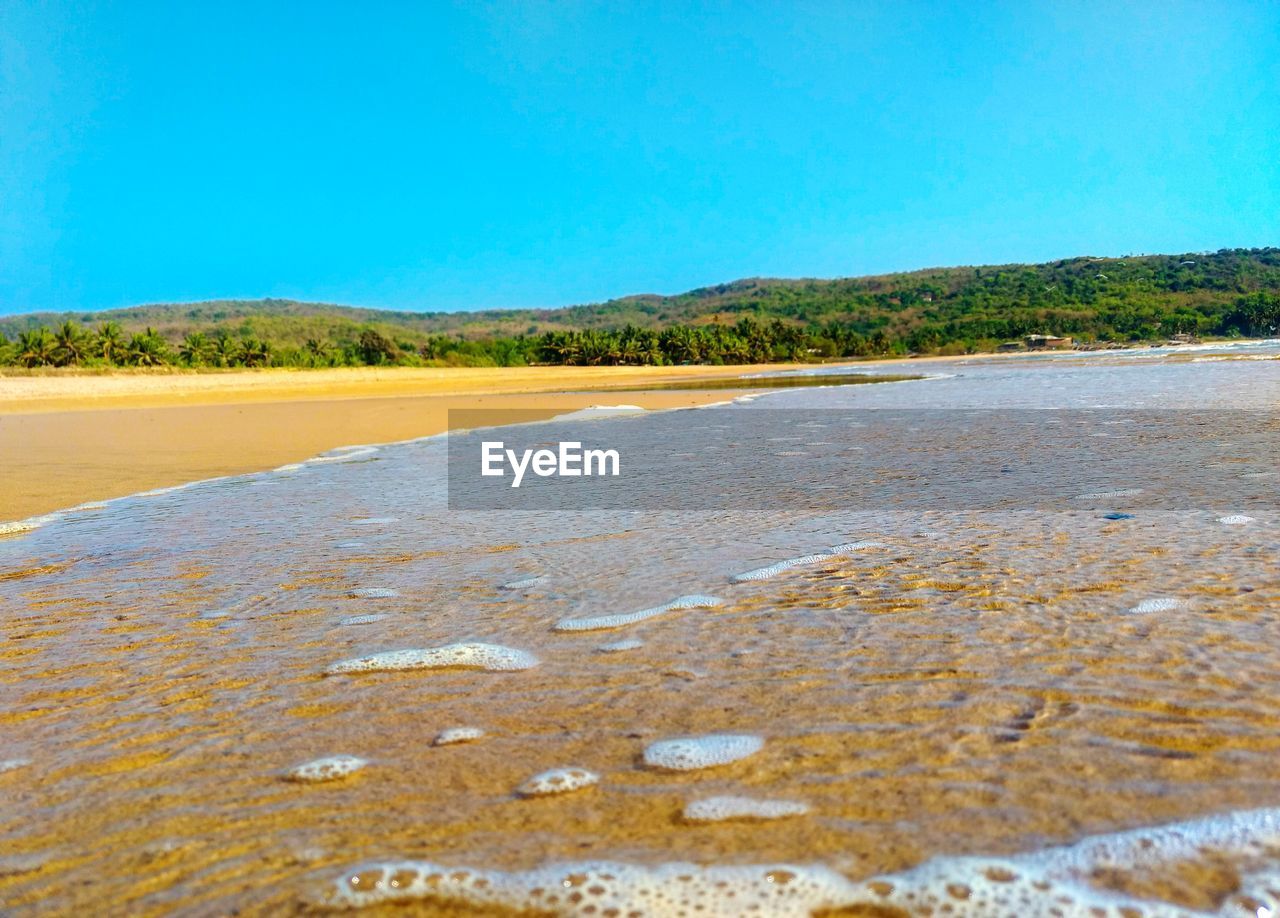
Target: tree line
{"x": 746, "y": 341}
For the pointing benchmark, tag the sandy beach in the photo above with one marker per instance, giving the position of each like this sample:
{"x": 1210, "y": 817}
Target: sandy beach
{"x": 67, "y": 439}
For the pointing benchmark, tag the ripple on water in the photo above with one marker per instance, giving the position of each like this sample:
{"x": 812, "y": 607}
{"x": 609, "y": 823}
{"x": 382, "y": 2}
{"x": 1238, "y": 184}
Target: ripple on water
{"x": 472, "y": 655}
{"x": 630, "y": 618}
{"x": 525, "y": 583}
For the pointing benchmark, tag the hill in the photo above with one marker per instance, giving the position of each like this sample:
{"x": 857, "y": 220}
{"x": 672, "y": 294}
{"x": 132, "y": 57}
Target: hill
{"x": 1229, "y": 292}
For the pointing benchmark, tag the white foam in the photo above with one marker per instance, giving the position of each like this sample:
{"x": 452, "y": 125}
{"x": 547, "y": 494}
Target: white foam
{"x": 344, "y": 454}
{"x": 11, "y": 764}
{"x": 773, "y": 570}
{"x": 457, "y": 735}
{"x": 602, "y": 888}
{"x": 558, "y": 781}
{"x": 1235, "y": 519}
{"x": 289, "y": 467}
{"x": 373, "y": 593}
{"x": 718, "y": 809}
{"x": 351, "y": 544}
{"x": 1159, "y": 604}
{"x": 620, "y": 646}
{"x": 630, "y": 618}
{"x": 375, "y": 521}
{"x": 472, "y": 655}
{"x": 1051, "y": 882}
{"x": 690, "y": 753}
{"x": 598, "y": 412}
{"x": 1100, "y": 495}
{"x": 362, "y": 619}
{"x": 30, "y": 523}
{"x": 524, "y": 583}
{"x": 1045, "y": 884}
{"x": 331, "y": 768}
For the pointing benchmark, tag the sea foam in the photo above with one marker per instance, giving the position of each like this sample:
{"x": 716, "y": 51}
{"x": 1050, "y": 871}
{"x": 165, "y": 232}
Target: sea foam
{"x": 1159, "y": 604}
{"x": 773, "y": 570}
{"x": 473, "y": 655}
{"x": 630, "y": 618}
{"x": 719, "y": 809}
{"x": 455, "y": 735}
{"x": 690, "y": 753}
{"x": 331, "y": 768}
{"x": 1052, "y": 883}
{"x": 558, "y": 781}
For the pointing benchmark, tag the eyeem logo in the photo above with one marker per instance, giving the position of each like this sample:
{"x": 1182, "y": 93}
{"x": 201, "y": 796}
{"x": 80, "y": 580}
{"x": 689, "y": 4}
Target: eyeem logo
{"x": 570, "y": 461}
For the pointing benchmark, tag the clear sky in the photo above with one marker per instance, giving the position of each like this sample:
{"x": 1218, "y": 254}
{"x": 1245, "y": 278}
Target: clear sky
{"x": 454, "y": 156}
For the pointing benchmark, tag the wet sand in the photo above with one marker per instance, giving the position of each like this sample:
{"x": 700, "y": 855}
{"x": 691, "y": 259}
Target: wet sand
{"x": 53, "y": 460}
{"x": 67, "y": 439}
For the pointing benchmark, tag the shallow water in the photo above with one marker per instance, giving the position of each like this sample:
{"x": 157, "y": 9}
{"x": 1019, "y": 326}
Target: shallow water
{"x": 970, "y": 683}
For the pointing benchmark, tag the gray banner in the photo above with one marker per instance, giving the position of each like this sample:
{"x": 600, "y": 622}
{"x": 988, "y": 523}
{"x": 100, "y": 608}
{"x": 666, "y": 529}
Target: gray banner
{"x": 927, "y": 459}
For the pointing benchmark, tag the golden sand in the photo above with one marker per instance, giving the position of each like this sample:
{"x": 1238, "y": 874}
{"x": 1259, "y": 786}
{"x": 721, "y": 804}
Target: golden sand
{"x": 67, "y": 439}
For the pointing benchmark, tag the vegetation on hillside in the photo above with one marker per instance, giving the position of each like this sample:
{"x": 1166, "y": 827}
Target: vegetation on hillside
{"x": 1233, "y": 292}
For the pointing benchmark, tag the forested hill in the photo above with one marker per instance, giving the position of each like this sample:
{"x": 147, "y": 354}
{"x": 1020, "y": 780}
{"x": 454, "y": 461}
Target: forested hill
{"x": 1229, "y": 292}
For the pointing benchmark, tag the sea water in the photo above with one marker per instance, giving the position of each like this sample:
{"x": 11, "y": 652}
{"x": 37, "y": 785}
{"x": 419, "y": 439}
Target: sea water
{"x": 1015, "y": 710}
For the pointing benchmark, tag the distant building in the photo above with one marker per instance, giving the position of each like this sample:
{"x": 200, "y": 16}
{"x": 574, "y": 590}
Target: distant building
{"x": 1041, "y": 341}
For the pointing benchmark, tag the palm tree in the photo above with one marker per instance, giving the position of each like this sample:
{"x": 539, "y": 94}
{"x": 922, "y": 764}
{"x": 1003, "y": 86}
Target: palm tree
{"x": 223, "y": 351}
{"x": 319, "y": 350}
{"x": 194, "y": 347}
{"x": 71, "y": 343}
{"x": 147, "y": 349}
{"x": 110, "y": 341}
{"x": 255, "y": 353}
{"x": 36, "y": 348}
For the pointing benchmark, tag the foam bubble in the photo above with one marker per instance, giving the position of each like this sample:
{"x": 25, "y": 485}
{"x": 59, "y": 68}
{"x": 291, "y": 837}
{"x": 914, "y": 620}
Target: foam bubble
{"x": 773, "y": 570}
{"x": 331, "y": 768}
{"x": 373, "y": 593}
{"x": 1235, "y": 519}
{"x": 630, "y": 618}
{"x": 718, "y": 809}
{"x": 1102, "y": 495}
{"x": 344, "y": 454}
{"x": 1051, "y": 882}
{"x": 472, "y": 655}
{"x": 11, "y": 764}
{"x": 362, "y": 619}
{"x": 620, "y": 646}
{"x": 26, "y": 525}
{"x": 557, "y": 781}
{"x": 524, "y": 583}
{"x": 706, "y": 751}
{"x": 1159, "y": 604}
{"x": 458, "y": 735}
{"x": 602, "y": 888}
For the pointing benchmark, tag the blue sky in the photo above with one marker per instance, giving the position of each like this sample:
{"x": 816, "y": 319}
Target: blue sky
{"x": 458, "y": 156}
